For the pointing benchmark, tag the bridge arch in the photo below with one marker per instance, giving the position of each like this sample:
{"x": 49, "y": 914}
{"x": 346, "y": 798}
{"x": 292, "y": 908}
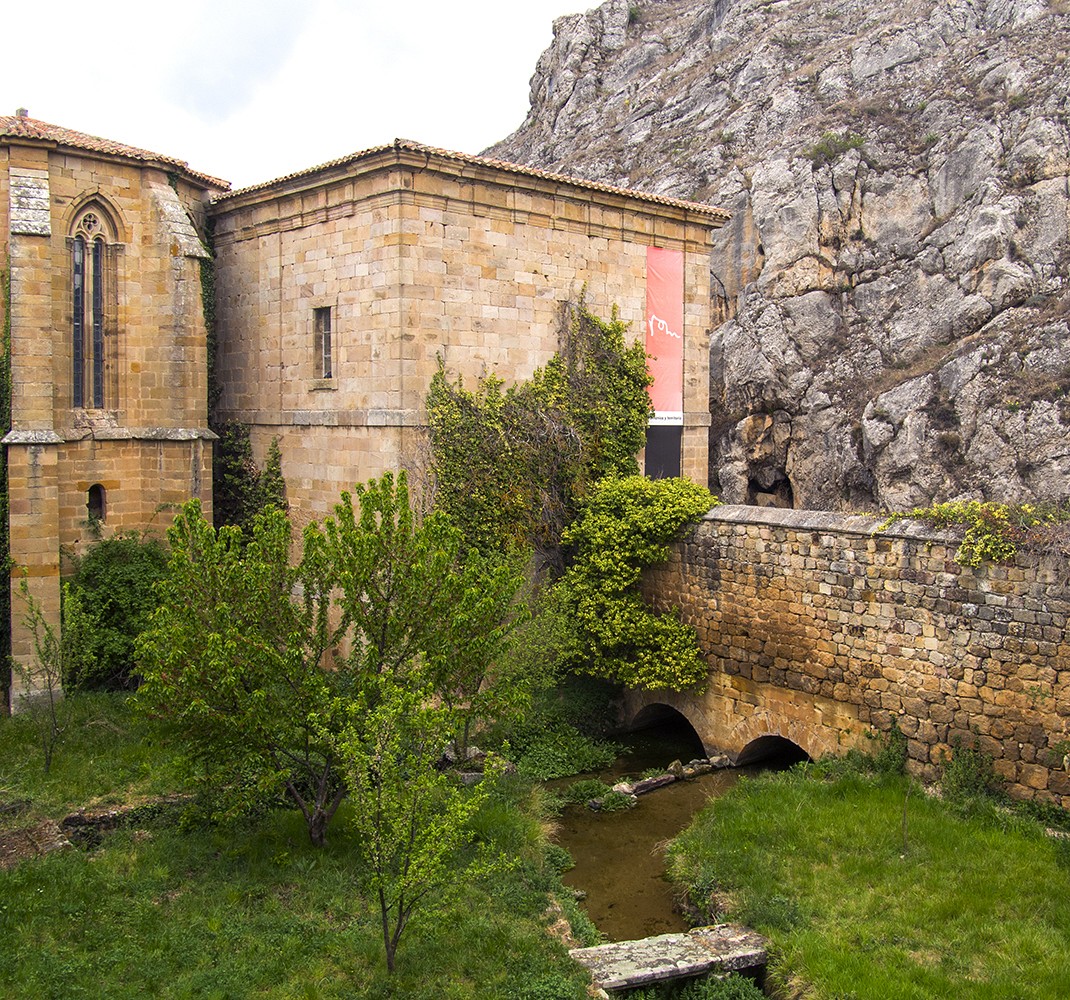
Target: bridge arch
{"x": 659, "y": 714}
{"x": 736, "y": 723}
{"x": 778, "y": 748}
{"x": 766, "y": 734}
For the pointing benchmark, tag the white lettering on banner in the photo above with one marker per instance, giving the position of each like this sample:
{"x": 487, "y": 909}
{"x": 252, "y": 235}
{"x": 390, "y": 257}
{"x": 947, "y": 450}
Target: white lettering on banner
{"x": 662, "y": 327}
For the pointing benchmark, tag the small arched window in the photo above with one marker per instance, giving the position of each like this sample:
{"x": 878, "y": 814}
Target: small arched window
{"x": 96, "y": 504}
{"x": 91, "y": 295}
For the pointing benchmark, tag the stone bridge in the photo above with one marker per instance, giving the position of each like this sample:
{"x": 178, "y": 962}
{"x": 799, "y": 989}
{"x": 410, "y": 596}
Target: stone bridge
{"x": 818, "y": 629}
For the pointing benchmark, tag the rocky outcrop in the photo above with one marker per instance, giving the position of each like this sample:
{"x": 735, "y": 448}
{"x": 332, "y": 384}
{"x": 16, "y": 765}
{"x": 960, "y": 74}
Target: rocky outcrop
{"x": 894, "y": 278}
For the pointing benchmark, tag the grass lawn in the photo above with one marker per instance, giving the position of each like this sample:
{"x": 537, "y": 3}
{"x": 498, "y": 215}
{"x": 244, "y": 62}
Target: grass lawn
{"x": 253, "y": 911}
{"x": 976, "y": 906}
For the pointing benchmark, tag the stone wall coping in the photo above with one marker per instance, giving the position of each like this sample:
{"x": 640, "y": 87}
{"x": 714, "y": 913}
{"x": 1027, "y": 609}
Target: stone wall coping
{"x": 112, "y": 434}
{"x": 33, "y": 437}
{"x": 859, "y": 525}
{"x": 154, "y": 434}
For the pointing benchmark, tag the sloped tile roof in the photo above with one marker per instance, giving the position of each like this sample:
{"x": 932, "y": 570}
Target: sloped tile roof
{"x": 514, "y": 168}
{"x": 24, "y": 127}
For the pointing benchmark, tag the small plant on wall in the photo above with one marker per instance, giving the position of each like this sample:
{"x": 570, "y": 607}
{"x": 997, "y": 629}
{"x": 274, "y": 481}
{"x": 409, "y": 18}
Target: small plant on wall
{"x": 994, "y": 532}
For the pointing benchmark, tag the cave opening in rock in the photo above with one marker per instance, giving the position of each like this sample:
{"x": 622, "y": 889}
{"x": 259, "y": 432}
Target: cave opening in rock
{"x": 771, "y": 491}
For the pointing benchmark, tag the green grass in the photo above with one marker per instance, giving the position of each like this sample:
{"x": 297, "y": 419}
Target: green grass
{"x": 250, "y": 911}
{"x": 106, "y": 756}
{"x": 977, "y": 906}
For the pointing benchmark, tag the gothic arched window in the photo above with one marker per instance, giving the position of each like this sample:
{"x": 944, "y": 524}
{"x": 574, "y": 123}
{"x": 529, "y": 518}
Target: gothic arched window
{"x": 91, "y": 295}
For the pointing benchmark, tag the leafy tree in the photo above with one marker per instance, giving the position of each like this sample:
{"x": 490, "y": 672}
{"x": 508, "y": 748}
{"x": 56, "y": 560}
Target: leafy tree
{"x": 44, "y": 700}
{"x": 231, "y": 664}
{"x": 106, "y": 607}
{"x": 410, "y": 820}
{"x": 627, "y": 525}
{"x": 394, "y": 575}
{"x": 239, "y": 488}
{"x": 475, "y": 668}
{"x": 408, "y": 597}
{"x": 511, "y": 464}
{"x": 250, "y": 661}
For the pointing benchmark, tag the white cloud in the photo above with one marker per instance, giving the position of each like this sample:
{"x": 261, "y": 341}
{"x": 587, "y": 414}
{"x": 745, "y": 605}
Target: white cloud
{"x": 253, "y": 91}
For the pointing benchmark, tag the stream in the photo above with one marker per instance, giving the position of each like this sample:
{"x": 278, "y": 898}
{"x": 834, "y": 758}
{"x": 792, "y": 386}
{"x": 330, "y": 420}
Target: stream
{"x": 620, "y": 860}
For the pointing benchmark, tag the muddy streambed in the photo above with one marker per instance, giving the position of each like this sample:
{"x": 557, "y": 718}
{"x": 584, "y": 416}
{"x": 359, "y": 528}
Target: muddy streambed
{"x": 620, "y": 857}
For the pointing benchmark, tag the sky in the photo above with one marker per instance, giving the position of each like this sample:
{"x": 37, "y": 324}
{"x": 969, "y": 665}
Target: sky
{"x": 249, "y": 91}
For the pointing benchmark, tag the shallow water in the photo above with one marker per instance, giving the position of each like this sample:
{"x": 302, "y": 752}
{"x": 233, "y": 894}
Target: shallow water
{"x": 620, "y": 861}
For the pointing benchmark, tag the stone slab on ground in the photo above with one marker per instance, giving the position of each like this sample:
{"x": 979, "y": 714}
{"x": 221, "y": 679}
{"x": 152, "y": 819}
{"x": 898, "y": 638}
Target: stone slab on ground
{"x": 30, "y": 842}
{"x": 720, "y": 948}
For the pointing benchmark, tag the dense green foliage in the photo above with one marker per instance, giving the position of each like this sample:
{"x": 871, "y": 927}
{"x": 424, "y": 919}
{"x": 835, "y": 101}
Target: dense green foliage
{"x": 993, "y": 531}
{"x": 512, "y": 463}
{"x": 549, "y": 464}
{"x": 254, "y": 664}
{"x": 106, "y": 606}
{"x": 872, "y": 892}
{"x": 732, "y": 987}
{"x": 240, "y": 490}
{"x": 411, "y": 821}
{"x": 564, "y": 732}
{"x": 161, "y": 911}
{"x": 627, "y": 525}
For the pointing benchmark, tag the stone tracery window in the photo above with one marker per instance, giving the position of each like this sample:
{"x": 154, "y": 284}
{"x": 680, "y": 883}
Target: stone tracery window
{"x": 92, "y": 293}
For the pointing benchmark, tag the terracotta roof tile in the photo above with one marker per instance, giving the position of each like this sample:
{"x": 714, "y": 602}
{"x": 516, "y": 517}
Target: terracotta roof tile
{"x": 23, "y": 127}
{"x": 515, "y": 168}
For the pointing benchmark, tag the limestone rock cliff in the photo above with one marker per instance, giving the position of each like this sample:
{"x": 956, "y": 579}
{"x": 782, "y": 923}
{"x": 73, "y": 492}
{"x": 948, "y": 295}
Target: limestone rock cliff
{"x": 894, "y": 278}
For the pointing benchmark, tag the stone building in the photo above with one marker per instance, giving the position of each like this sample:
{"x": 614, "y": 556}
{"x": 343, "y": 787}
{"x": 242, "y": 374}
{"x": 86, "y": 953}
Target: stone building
{"x": 109, "y": 410}
{"x": 336, "y": 291}
{"x": 338, "y": 288}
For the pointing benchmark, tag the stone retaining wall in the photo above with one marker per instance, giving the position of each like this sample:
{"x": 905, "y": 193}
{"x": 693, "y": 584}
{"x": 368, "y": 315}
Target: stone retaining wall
{"x": 818, "y": 629}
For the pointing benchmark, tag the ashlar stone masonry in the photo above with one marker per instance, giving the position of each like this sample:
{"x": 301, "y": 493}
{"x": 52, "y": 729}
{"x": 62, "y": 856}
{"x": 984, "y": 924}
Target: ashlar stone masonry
{"x": 403, "y": 255}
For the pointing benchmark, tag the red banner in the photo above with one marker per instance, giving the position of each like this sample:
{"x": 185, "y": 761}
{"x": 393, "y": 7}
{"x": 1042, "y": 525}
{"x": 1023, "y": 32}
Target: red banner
{"x": 665, "y": 333}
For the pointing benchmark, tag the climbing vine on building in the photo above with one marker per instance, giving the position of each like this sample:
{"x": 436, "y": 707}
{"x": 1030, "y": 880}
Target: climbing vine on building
{"x": 512, "y": 463}
{"x": 240, "y": 489}
{"x": 5, "y": 537}
{"x": 627, "y": 525}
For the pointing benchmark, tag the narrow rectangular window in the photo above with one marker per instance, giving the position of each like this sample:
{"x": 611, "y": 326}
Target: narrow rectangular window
{"x": 321, "y": 325}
